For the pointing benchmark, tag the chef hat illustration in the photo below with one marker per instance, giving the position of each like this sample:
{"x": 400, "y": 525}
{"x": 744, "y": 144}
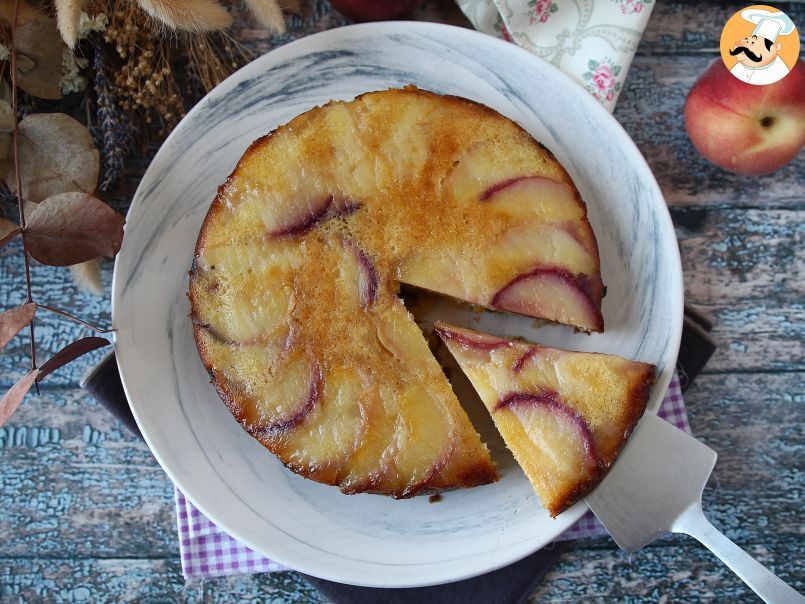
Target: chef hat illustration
{"x": 769, "y": 25}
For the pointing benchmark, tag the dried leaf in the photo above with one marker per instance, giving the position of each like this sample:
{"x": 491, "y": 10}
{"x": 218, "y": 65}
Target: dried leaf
{"x": 73, "y": 227}
{"x": 25, "y": 13}
{"x": 13, "y": 397}
{"x": 6, "y": 126}
{"x": 69, "y": 353}
{"x": 68, "y": 14}
{"x": 8, "y": 230}
{"x": 56, "y": 155}
{"x": 12, "y": 321}
{"x": 38, "y": 40}
{"x": 189, "y": 15}
{"x": 291, "y": 6}
{"x": 6, "y": 116}
{"x": 268, "y": 13}
{"x": 5, "y": 91}
{"x": 87, "y": 276}
{"x": 24, "y": 64}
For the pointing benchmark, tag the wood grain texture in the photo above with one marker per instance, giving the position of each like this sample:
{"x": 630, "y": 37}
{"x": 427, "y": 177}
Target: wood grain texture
{"x": 72, "y": 581}
{"x": 693, "y": 26}
{"x": 77, "y": 483}
{"x": 676, "y": 570}
{"x": 651, "y": 109}
{"x": 88, "y": 514}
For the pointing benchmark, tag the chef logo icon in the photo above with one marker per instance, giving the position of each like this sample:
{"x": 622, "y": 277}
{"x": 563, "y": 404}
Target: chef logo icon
{"x": 760, "y": 45}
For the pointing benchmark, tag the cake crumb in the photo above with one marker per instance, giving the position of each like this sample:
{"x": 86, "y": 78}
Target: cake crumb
{"x": 435, "y": 498}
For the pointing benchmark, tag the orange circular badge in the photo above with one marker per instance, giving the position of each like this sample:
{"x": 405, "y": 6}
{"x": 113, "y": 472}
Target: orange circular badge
{"x": 760, "y": 45}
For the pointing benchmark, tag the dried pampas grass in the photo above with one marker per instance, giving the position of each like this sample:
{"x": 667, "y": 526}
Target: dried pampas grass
{"x": 268, "y": 13}
{"x": 188, "y": 15}
{"x": 87, "y": 276}
{"x": 68, "y": 16}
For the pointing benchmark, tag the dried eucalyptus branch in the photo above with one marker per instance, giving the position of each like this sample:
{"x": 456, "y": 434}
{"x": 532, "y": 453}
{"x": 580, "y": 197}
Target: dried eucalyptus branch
{"x": 72, "y": 317}
{"x": 16, "y": 150}
{"x": 65, "y": 224}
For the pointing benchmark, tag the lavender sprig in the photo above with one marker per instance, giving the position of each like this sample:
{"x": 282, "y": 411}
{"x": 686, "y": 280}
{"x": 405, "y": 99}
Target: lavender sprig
{"x": 114, "y": 132}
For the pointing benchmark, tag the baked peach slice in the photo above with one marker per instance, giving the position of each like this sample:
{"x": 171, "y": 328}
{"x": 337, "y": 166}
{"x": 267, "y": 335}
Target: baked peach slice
{"x": 265, "y": 386}
{"x": 331, "y": 431}
{"x": 535, "y": 198}
{"x": 564, "y": 415}
{"x": 425, "y": 437}
{"x": 554, "y": 294}
{"x": 487, "y": 168}
{"x": 358, "y": 274}
{"x": 231, "y": 293}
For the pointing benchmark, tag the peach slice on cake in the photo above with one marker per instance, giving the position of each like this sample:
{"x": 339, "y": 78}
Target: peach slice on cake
{"x": 564, "y": 415}
{"x": 233, "y": 298}
{"x": 535, "y": 197}
{"x": 329, "y": 433}
{"x": 553, "y": 294}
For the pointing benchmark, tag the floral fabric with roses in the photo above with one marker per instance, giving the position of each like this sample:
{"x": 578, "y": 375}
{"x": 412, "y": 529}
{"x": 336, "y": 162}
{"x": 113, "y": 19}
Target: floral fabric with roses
{"x": 593, "y": 41}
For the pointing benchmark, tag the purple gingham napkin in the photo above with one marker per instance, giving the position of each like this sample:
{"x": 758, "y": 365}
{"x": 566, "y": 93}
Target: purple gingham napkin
{"x": 207, "y": 551}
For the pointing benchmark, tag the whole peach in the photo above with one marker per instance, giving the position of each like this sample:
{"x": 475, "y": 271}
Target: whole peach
{"x": 743, "y": 128}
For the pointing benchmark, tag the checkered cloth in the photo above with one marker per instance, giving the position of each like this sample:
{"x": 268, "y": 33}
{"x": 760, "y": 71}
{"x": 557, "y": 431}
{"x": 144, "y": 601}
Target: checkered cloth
{"x": 207, "y": 551}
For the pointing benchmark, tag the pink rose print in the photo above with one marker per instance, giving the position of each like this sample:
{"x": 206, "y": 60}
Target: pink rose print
{"x": 632, "y": 7}
{"x": 501, "y": 28}
{"x": 603, "y": 79}
{"x": 542, "y": 9}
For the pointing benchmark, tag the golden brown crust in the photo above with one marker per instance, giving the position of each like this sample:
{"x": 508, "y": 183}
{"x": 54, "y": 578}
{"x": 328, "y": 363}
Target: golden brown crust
{"x": 635, "y": 406}
{"x": 605, "y": 395}
{"x": 473, "y": 466}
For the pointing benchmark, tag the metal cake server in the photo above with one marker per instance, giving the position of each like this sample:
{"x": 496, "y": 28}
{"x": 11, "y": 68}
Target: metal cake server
{"x": 655, "y": 487}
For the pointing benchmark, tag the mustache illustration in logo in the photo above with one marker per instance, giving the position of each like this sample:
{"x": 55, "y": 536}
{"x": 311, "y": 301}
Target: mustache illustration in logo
{"x": 743, "y": 49}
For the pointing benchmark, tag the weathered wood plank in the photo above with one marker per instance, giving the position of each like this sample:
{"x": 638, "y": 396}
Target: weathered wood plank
{"x": 756, "y": 336}
{"x": 651, "y": 110}
{"x": 288, "y": 588}
{"x": 70, "y": 580}
{"x": 742, "y": 255}
{"x": 137, "y": 580}
{"x": 76, "y": 483}
{"x": 673, "y": 570}
{"x": 694, "y": 26}
{"x": 745, "y": 269}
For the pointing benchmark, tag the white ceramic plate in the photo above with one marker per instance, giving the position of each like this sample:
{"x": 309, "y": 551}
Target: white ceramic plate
{"x": 368, "y": 539}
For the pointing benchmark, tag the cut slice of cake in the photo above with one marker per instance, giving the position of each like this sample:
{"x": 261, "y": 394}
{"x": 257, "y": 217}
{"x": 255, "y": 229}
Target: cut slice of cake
{"x": 564, "y": 415}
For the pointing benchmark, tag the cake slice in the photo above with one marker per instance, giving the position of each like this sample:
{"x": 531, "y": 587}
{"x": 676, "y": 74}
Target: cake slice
{"x": 564, "y": 415}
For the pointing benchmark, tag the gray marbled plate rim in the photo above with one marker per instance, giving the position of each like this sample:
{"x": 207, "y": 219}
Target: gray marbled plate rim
{"x": 173, "y": 410}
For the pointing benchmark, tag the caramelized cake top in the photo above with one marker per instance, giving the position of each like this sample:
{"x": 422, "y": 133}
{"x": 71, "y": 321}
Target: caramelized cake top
{"x": 294, "y": 281}
{"x": 564, "y": 415}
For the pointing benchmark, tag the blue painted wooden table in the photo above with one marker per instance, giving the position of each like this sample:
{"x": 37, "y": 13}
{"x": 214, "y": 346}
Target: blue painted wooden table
{"x": 86, "y": 514}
